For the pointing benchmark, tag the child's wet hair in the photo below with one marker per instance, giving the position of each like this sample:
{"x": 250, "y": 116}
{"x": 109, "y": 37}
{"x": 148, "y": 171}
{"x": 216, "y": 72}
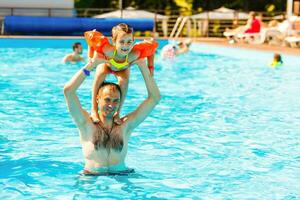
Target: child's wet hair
{"x": 277, "y": 57}
{"x": 121, "y": 28}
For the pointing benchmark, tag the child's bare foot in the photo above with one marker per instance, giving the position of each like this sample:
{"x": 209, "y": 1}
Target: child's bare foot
{"x": 117, "y": 119}
{"x": 95, "y": 117}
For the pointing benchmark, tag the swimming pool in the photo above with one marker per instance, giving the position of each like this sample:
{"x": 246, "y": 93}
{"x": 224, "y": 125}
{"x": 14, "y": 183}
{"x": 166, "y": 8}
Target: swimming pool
{"x": 227, "y": 127}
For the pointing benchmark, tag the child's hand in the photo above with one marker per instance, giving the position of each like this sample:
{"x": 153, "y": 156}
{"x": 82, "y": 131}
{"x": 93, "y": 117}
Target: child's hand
{"x": 95, "y": 117}
{"x": 117, "y": 119}
{"x": 98, "y": 59}
{"x": 148, "y": 40}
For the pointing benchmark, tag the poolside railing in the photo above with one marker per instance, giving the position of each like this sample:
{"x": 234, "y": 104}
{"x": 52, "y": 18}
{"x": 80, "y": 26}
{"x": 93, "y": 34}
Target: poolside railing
{"x": 194, "y": 27}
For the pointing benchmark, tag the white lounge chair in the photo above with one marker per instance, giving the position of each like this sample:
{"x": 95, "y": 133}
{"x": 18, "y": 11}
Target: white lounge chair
{"x": 293, "y": 41}
{"x": 251, "y": 38}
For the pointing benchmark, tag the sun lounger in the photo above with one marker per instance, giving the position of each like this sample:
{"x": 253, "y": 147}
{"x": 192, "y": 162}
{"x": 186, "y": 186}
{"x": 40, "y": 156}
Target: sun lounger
{"x": 266, "y": 35}
{"x": 251, "y": 38}
{"x": 293, "y": 41}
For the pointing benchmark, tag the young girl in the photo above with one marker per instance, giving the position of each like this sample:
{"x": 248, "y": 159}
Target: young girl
{"x": 277, "y": 61}
{"x": 118, "y": 57}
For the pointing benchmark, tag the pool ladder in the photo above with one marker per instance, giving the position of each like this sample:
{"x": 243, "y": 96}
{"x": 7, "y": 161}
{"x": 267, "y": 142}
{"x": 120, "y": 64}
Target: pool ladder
{"x": 180, "y": 22}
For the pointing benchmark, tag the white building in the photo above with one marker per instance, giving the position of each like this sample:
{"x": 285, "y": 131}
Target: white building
{"x": 62, "y": 8}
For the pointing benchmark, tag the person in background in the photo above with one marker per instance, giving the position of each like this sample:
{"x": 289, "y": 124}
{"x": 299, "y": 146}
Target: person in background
{"x": 183, "y": 47}
{"x": 253, "y": 24}
{"x": 277, "y": 61}
{"x": 170, "y": 51}
{"x": 76, "y": 55}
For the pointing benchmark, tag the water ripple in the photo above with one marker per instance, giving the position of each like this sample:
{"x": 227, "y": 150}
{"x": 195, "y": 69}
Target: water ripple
{"x": 227, "y": 127}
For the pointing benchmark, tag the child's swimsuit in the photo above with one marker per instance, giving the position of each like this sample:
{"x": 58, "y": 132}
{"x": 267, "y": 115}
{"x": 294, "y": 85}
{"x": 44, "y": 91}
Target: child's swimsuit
{"x": 276, "y": 64}
{"x": 115, "y": 66}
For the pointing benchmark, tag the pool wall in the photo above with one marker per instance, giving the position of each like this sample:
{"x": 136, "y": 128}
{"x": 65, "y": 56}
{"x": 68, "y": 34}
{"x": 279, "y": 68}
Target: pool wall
{"x": 26, "y": 25}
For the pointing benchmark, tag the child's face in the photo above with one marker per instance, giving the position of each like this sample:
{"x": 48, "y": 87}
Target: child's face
{"x": 124, "y": 43}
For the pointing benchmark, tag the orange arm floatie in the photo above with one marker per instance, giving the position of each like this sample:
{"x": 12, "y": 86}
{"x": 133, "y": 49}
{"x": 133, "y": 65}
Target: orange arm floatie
{"x": 146, "y": 49}
{"x": 96, "y": 42}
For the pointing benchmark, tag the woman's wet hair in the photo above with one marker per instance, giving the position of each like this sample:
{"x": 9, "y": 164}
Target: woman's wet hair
{"x": 121, "y": 28}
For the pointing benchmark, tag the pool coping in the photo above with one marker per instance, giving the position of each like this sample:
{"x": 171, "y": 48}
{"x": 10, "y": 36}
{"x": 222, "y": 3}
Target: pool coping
{"x": 206, "y": 40}
{"x": 259, "y": 47}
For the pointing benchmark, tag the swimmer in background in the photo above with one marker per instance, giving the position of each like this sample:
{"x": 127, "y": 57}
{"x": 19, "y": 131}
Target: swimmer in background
{"x": 76, "y": 55}
{"x": 170, "y": 51}
{"x": 119, "y": 56}
{"x": 277, "y": 61}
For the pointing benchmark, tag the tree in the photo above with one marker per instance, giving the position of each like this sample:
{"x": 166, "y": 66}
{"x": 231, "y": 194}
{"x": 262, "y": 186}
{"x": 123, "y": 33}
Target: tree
{"x": 187, "y": 5}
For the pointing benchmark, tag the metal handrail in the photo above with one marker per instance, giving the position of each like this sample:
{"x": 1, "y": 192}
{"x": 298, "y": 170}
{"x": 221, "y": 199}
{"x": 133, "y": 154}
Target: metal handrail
{"x": 212, "y": 27}
{"x": 184, "y": 20}
{"x": 175, "y": 26}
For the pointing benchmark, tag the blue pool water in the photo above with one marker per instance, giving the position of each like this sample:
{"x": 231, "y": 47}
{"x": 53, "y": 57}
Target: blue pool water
{"x": 227, "y": 127}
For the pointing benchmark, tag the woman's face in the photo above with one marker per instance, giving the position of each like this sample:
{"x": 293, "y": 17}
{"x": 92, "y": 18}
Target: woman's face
{"x": 124, "y": 43}
{"x": 251, "y": 16}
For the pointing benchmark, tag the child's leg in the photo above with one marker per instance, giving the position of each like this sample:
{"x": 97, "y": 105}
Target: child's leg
{"x": 101, "y": 72}
{"x": 123, "y": 80}
{"x": 150, "y": 61}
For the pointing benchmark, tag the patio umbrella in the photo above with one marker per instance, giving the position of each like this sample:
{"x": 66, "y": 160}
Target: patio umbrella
{"x": 221, "y": 13}
{"x": 130, "y": 12}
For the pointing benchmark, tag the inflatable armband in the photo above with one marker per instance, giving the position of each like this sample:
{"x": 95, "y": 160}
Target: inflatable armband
{"x": 146, "y": 49}
{"x": 96, "y": 42}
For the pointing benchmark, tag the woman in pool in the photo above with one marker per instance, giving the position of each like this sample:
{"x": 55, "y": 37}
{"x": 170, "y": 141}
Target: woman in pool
{"x": 118, "y": 58}
{"x": 105, "y": 144}
{"x": 170, "y": 51}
